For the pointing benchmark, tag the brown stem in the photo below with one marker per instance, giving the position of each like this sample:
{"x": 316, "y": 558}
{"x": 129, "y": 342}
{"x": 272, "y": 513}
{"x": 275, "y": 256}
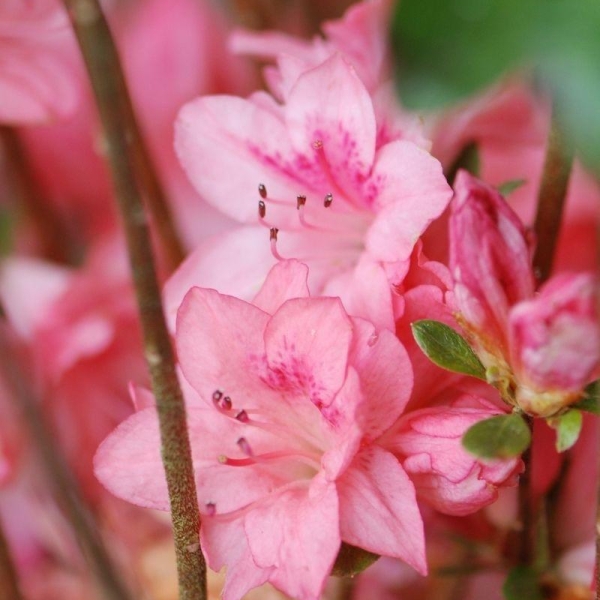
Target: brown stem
{"x": 145, "y": 171}
{"x": 527, "y": 535}
{"x": 64, "y": 487}
{"x": 8, "y": 577}
{"x": 57, "y": 243}
{"x": 551, "y": 198}
{"x": 100, "y": 57}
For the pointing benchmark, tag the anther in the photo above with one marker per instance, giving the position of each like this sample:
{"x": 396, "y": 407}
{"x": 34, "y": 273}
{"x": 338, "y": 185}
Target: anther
{"x": 300, "y": 201}
{"x": 262, "y": 209}
{"x": 211, "y": 508}
{"x": 221, "y": 402}
{"x": 328, "y": 200}
{"x": 262, "y": 190}
{"x": 242, "y": 416}
{"x": 244, "y": 446}
{"x": 273, "y": 234}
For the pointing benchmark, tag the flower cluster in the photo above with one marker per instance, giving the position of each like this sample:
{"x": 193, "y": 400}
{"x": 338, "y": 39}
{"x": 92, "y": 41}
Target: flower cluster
{"x": 322, "y": 221}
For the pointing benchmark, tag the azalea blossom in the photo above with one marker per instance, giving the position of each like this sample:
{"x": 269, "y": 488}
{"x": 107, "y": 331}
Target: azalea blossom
{"x": 540, "y": 349}
{"x": 318, "y": 184}
{"x": 286, "y": 400}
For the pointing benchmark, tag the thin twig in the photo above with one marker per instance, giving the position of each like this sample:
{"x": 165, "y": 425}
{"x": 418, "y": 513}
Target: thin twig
{"x": 153, "y": 192}
{"x": 551, "y": 198}
{"x": 57, "y": 243}
{"x": 100, "y": 57}
{"x": 8, "y": 576}
{"x": 64, "y": 488}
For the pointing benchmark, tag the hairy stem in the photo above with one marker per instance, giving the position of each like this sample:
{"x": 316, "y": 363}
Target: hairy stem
{"x": 8, "y": 577}
{"x": 64, "y": 488}
{"x": 56, "y": 242}
{"x": 145, "y": 171}
{"x": 551, "y": 198}
{"x": 101, "y": 60}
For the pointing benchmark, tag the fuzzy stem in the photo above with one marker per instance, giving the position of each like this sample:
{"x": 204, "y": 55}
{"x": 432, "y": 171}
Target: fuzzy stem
{"x": 551, "y": 199}
{"x": 8, "y": 577}
{"x": 102, "y": 47}
{"x": 64, "y": 488}
{"x": 101, "y": 60}
{"x": 57, "y": 243}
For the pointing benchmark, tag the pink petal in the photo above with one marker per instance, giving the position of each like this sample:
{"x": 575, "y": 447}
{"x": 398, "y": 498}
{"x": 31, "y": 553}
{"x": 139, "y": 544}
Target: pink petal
{"x": 482, "y": 225}
{"x": 228, "y": 146}
{"x": 296, "y": 534}
{"x": 286, "y": 280}
{"x": 365, "y": 292}
{"x": 555, "y": 337}
{"x": 219, "y": 340}
{"x": 378, "y": 508}
{"x": 129, "y": 465}
{"x": 386, "y": 377}
{"x": 307, "y": 343}
{"x": 225, "y": 544}
{"x": 411, "y": 191}
{"x": 330, "y": 105}
{"x": 235, "y": 263}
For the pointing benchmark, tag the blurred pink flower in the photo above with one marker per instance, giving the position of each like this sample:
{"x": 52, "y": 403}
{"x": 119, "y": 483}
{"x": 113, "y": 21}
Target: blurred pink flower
{"x": 37, "y": 78}
{"x": 288, "y": 398}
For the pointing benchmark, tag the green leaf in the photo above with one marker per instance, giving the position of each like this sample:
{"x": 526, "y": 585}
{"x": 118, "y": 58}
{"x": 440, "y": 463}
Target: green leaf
{"x": 522, "y": 583}
{"x": 446, "y": 348}
{"x": 352, "y": 560}
{"x": 568, "y": 427}
{"x": 508, "y": 187}
{"x": 448, "y": 50}
{"x": 503, "y": 436}
{"x": 590, "y": 402}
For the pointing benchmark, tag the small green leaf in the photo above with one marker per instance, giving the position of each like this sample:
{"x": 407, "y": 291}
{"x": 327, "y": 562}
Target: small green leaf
{"x": 446, "y": 348}
{"x": 568, "y": 428}
{"x": 508, "y": 187}
{"x": 352, "y": 560}
{"x": 590, "y": 401}
{"x": 503, "y": 436}
{"x": 522, "y": 583}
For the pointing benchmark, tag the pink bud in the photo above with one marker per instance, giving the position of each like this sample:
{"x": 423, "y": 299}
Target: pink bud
{"x": 489, "y": 259}
{"x": 555, "y": 342}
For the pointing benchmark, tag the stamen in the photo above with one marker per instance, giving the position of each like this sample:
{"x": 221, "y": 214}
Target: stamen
{"x": 262, "y": 190}
{"x": 211, "y": 508}
{"x": 273, "y": 238}
{"x": 242, "y": 416}
{"x": 302, "y": 457}
{"x": 328, "y": 200}
{"x": 300, "y": 201}
{"x": 244, "y": 446}
{"x": 222, "y": 403}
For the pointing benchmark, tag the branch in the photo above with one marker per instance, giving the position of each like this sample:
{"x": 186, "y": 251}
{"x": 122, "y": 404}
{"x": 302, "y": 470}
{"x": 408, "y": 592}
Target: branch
{"x": 551, "y": 198}
{"x": 102, "y": 62}
{"x": 8, "y": 577}
{"x": 64, "y": 488}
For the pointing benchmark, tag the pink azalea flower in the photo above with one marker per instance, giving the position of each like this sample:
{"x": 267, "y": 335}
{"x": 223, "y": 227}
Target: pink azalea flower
{"x": 349, "y": 205}
{"x": 540, "y": 349}
{"x": 429, "y": 444}
{"x": 36, "y": 71}
{"x": 287, "y": 397}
